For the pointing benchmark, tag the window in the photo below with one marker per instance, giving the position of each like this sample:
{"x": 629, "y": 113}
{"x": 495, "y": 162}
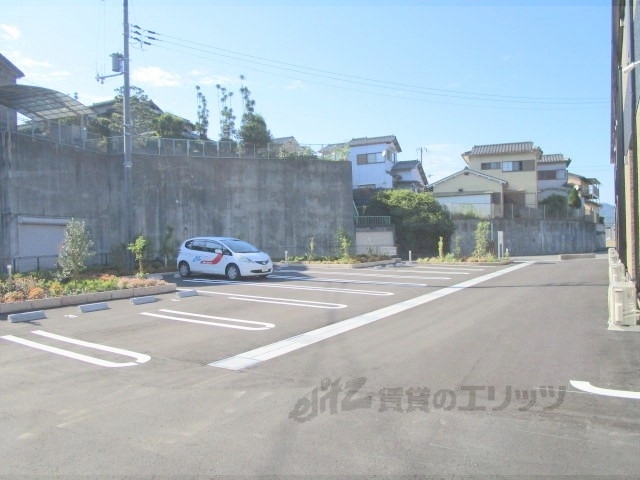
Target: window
{"x": 365, "y": 158}
{"x": 512, "y": 166}
{"x": 552, "y": 174}
{"x": 490, "y": 166}
{"x": 367, "y": 185}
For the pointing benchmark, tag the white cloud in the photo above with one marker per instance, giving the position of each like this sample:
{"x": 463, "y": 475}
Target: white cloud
{"x": 205, "y": 79}
{"x": 155, "y": 77}
{"x": 295, "y": 85}
{"x": 9, "y": 32}
{"x": 27, "y": 62}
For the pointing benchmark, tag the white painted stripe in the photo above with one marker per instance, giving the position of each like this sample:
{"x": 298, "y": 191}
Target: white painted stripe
{"x": 587, "y": 387}
{"x": 259, "y": 325}
{"x": 276, "y": 300}
{"x": 286, "y": 301}
{"x": 139, "y": 357}
{"x": 448, "y": 267}
{"x": 378, "y": 275}
{"x": 296, "y": 287}
{"x": 276, "y": 349}
{"x": 363, "y": 282}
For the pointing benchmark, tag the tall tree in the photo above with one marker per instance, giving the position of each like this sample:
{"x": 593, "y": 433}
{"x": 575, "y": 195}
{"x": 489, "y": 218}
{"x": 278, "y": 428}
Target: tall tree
{"x": 227, "y": 118}
{"x": 253, "y": 128}
{"x": 254, "y": 131}
{"x": 202, "y": 125}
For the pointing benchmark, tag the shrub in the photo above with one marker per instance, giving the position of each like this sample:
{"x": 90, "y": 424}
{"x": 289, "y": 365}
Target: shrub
{"x": 55, "y": 289}
{"x": 344, "y": 243}
{"x": 482, "y": 240}
{"x": 74, "y": 250}
{"x": 15, "y": 296}
{"x": 36, "y": 293}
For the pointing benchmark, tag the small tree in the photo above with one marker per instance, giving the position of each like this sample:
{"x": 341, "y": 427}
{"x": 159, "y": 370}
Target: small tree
{"x": 344, "y": 243}
{"x": 74, "y": 250}
{"x": 137, "y": 247}
{"x": 482, "y": 240}
{"x": 574, "y": 198}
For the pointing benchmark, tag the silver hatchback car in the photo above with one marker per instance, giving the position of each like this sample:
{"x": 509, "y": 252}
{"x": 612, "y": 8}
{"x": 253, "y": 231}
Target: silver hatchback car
{"x": 226, "y": 256}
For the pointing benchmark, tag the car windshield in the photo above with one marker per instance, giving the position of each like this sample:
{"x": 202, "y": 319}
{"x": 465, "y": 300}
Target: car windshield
{"x": 240, "y": 246}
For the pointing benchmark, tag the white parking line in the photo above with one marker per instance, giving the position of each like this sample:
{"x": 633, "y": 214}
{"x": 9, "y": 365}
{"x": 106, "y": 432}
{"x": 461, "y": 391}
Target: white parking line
{"x": 362, "y": 282}
{"x": 259, "y": 325}
{"x": 448, "y": 267}
{"x": 276, "y": 300}
{"x": 292, "y": 287}
{"x": 587, "y": 387}
{"x": 253, "y": 357}
{"x": 139, "y": 357}
{"x": 384, "y": 275}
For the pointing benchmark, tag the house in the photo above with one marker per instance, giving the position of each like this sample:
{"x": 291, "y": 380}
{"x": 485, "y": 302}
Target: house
{"x": 471, "y": 192}
{"x": 552, "y": 176}
{"x": 589, "y": 193}
{"x": 514, "y": 163}
{"x": 107, "y": 108}
{"x": 286, "y": 146}
{"x": 409, "y": 175}
{"x": 375, "y": 165}
{"x": 499, "y": 179}
{"x": 9, "y": 74}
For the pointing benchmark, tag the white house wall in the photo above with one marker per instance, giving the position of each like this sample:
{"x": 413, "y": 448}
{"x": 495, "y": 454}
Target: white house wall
{"x": 371, "y": 173}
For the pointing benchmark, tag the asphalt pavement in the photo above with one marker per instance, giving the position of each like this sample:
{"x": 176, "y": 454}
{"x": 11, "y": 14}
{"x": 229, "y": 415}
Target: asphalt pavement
{"x": 406, "y": 371}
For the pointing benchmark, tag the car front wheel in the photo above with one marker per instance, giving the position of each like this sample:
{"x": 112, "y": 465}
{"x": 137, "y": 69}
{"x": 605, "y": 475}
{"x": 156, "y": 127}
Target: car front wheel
{"x": 233, "y": 272}
{"x": 184, "y": 269}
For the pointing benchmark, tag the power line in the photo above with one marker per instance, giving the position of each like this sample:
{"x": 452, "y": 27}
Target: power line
{"x": 149, "y": 37}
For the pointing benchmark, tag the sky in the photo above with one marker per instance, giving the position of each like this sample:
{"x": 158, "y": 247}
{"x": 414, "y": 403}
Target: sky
{"x": 442, "y": 76}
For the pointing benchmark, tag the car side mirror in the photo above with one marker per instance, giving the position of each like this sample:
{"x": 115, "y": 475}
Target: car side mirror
{"x": 217, "y": 250}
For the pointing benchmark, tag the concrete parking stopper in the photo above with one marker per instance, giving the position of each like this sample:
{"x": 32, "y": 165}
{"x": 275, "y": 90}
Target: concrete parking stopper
{"x": 141, "y": 300}
{"x": 26, "y": 316}
{"x": 186, "y": 293}
{"x": 93, "y": 307}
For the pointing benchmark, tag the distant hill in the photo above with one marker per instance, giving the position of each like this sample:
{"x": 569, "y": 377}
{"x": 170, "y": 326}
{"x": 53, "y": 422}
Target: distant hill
{"x": 609, "y": 213}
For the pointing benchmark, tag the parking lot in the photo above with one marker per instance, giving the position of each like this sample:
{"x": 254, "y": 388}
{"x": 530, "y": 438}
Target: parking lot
{"x": 315, "y": 371}
{"x": 214, "y": 322}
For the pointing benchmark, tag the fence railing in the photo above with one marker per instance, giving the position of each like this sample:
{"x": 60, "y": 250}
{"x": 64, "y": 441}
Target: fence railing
{"x": 485, "y": 210}
{"x": 78, "y": 136}
{"x": 364, "y": 221}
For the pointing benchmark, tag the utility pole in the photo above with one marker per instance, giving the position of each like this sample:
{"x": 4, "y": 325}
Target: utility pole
{"x": 126, "y": 108}
{"x": 420, "y": 150}
{"x": 120, "y": 65}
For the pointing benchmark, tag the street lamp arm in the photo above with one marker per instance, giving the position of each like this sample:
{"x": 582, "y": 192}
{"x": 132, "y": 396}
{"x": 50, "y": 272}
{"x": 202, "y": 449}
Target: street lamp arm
{"x": 631, "y": 66}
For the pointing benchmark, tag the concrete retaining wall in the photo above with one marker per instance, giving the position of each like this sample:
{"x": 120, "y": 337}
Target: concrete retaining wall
{"x": 276, "y": 204}
{"x": 532, "y": 237}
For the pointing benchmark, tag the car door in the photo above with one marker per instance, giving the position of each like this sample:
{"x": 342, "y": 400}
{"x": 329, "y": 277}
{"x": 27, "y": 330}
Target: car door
{"x": 198, "y": 256}
{"x": 216, "y": 261}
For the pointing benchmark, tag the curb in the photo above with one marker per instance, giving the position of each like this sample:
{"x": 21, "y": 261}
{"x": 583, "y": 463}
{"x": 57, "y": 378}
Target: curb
{"x": 85, "y": 298}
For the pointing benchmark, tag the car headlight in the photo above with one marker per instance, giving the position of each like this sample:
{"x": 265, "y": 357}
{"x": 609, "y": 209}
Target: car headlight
{"x": 245, "y": 260}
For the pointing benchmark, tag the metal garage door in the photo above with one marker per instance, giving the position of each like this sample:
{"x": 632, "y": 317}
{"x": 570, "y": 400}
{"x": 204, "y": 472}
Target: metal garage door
{"x": 38, "y": 240}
